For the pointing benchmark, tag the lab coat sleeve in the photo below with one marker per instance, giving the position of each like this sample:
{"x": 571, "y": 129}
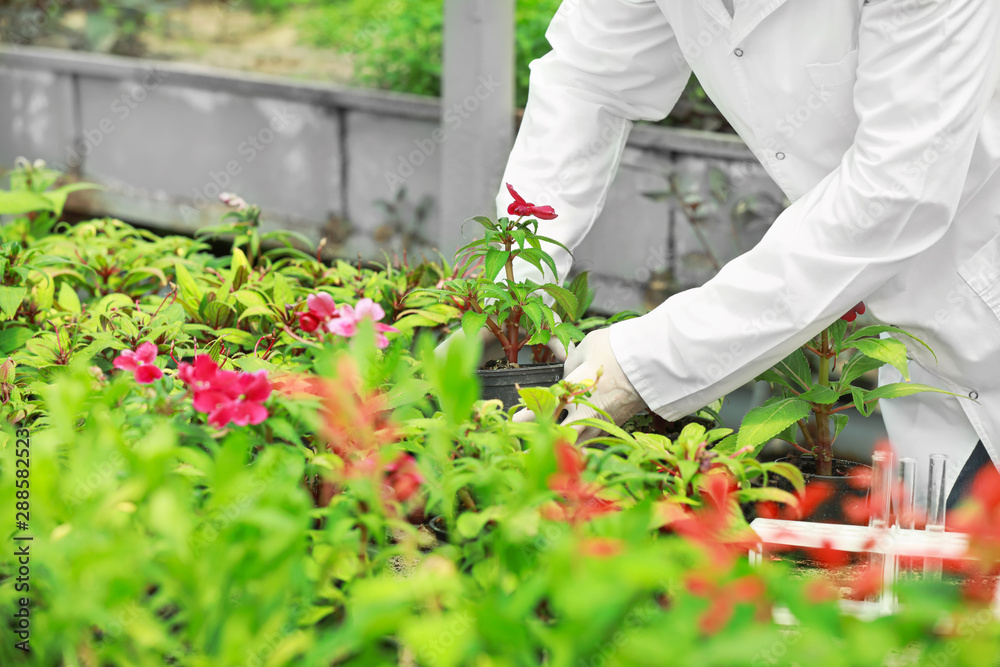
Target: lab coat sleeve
{"x": 612, "y": 62}
{"x": 928, "y": 71}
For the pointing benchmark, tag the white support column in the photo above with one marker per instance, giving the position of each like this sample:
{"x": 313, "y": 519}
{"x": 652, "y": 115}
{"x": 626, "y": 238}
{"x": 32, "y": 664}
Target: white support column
{"x": 478, "y": 111}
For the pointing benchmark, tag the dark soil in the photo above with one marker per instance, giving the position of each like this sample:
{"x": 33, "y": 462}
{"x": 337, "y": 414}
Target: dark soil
{"x": 499, "y": 364}
{"x": 650, "y": 422}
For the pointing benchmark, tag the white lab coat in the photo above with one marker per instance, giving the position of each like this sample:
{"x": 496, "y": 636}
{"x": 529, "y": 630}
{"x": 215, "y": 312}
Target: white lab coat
{"x": 879, "y": 119}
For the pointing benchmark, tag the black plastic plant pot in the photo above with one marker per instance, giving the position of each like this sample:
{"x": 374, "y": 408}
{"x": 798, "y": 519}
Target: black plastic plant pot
{"x": 502, "y": 383}
{"x": 847, "y": 488}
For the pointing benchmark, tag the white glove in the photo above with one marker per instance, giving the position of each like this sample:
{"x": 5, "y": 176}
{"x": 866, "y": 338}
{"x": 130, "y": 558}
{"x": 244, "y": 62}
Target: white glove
{"x": 613, "y": 393}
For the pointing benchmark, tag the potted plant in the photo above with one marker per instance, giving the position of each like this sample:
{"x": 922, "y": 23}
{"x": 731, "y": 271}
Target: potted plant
{"x": 486, "y": 294}
{"x": 815, "y": 386}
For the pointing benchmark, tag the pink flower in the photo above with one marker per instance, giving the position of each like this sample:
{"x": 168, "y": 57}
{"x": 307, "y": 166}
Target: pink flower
{"x": 521, "y": 208}
{"x": 141, "y": 363}
{"x": 343, "y": 321}
{"x": 226, "y": 396}
{"x": 321, "y": 305}
{"x": 233, "y": 201}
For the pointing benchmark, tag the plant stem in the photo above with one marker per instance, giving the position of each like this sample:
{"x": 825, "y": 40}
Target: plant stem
{"x": 824, "y": 442}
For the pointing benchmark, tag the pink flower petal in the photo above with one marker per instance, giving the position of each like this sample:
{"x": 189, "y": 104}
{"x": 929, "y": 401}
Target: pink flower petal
{"x": 248, "y": 412}
{"x": 126, "y": 361}
{"x": 221, "y": 417}
{"x": 255, "y": 386}
{"x": 148, "y": 373}
{"x": 207, "y": 400}
{"x": 321, "y": 305}
{"x": 146, "y": 353}
{"x": 343, "y": 326}
{"x": 368, "y": 308}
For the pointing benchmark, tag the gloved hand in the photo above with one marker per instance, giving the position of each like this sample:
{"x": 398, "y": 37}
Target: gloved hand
{"x": 613, "y": 393}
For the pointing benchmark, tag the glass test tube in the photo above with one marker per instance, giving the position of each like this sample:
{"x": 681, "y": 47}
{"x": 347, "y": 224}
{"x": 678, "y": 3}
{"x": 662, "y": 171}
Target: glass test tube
{"x": 935, "y": 508}
{"x": 905, "y": 515}
{"x": 881, "y": 490}
{"x": 879, "y": 496}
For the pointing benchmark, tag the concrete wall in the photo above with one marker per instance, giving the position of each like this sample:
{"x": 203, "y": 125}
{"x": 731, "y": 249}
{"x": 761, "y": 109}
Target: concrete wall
{"x": 166, "y": 139}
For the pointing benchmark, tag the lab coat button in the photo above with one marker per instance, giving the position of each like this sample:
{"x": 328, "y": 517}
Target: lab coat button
{"x": 739, "y": 53}
{"x": 780, "y": 156}
{"x": 974, "y": 395}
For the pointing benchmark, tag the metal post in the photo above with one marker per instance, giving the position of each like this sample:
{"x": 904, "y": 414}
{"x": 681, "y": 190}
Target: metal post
{"x": 478, "y": 111}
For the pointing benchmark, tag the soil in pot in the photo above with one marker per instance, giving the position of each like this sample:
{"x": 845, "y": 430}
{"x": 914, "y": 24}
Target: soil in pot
{"x": 501, "y": 380}
{"x": 650, "y": 422}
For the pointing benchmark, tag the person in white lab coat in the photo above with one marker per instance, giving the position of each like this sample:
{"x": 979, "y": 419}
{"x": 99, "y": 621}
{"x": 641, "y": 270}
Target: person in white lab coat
{"x": 880, "y": 120}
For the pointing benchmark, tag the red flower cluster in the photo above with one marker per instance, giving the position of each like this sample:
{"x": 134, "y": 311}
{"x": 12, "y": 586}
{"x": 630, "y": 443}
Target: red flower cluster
{"x": 521, "y": 208}
{"x": 853, "y": 313}
{"x": 402, "y": 478}
{"x": 141, "y": 363}
{"x": 724, "y": 596}
{"x": 579, "y": 502}
{"x": 343, "y": 321}
{"x": 226, "y": 396}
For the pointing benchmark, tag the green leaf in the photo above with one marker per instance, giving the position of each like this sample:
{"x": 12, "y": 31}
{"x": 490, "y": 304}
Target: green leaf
{"x": 215, "y": 349}
{"x": 540, "y": 337}
{"x": 470, "y": 524}
{"x": 282, "y": 291}
{"x": 564, "y": 298}
{"x": 249, "y": 298}
{"x": 857, "y": 366}
{"x": 820, "y": 394}
{"x": 473, "y": 323}
{"x": 859, "y": 395}
{"x": 900, "y": 389}
{"x": 14, "y": 338}
{"x": 10, "y": 300}
{"x": 768, "y": 494}
{"x": 540, "y": 401}
{"x": 17, "y": 203}
{"x": 796, "y": 368}
{"x": 58, "y": 196}
{"x": 494, "y": 262}
{"x": 837, "y": 332}
{"x": 773, "y": 377}
{"x": 789, "y": 472}
{"x": 881, "y": 329}
{"x": 257, "y": 311}
{"x": 188, "y": 289}
{"x": 839, "y": 422}
{"x": 68, "y": 299}
{"x": 888, "y": 350}
{"x": 763, "y": 423}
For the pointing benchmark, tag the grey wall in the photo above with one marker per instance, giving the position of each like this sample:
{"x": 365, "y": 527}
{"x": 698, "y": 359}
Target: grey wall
{"x": 165, "y": 139}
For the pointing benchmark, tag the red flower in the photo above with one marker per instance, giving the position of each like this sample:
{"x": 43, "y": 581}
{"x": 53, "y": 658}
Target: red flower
{"x": 853, "y": 313}
{"x": 308, "y": 322}
{"x": 521, "y": 208}
{"x": 141, "y": 363}
{"x": 579, "y": 501}
{"x": 226, "y": 396}
{"x": 402, "y": 478}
